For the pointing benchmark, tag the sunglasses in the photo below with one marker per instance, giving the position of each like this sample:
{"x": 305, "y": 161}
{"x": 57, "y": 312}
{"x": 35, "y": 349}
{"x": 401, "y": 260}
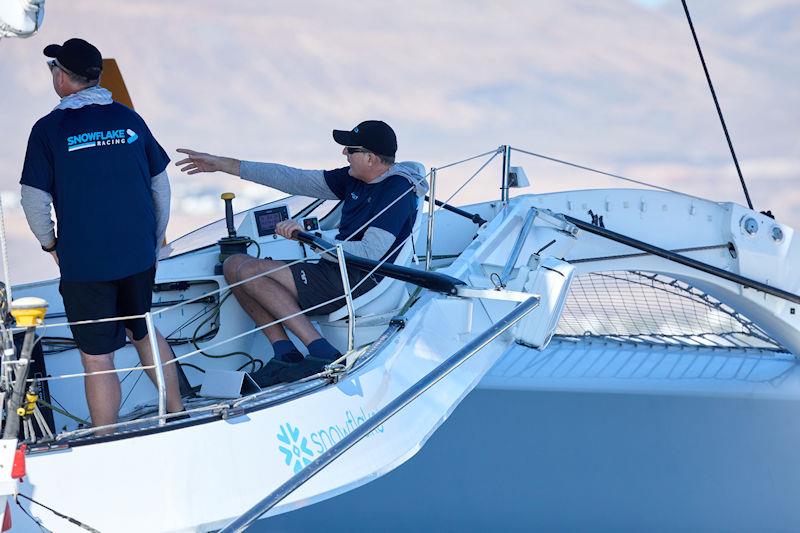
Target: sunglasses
{"x": 356, "y": 150}
{"x": 53, "y": 64}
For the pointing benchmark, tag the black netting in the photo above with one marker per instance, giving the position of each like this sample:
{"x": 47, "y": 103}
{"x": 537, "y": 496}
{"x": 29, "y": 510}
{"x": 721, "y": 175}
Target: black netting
{"x": 652, "y": 308}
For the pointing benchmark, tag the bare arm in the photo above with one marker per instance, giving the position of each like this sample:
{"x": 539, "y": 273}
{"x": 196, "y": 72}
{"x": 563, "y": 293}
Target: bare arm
{"x": 198, "y": 162}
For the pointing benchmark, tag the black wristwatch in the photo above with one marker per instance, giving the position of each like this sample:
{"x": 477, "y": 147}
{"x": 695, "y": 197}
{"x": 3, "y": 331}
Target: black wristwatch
{"x": 52, "y": 248}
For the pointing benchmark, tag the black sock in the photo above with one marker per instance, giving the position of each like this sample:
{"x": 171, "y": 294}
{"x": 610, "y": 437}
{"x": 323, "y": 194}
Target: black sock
{"x": 322, "y": 349}
{"x": 285, "y": 351}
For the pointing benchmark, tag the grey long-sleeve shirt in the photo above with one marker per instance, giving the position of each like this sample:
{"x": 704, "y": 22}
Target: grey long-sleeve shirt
{"x": 375, "y": 242}
{"x": 36, "y": 204}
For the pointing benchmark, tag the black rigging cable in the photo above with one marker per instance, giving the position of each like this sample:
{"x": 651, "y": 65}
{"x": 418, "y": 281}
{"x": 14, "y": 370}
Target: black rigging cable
{"x": 716, "y": 103}
{"x": 60, "y": 515}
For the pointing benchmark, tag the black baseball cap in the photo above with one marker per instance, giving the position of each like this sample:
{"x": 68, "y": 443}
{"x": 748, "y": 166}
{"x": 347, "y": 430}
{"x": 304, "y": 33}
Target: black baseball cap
{"x": 78, "y": 57}
{"x": 374, "y": 135}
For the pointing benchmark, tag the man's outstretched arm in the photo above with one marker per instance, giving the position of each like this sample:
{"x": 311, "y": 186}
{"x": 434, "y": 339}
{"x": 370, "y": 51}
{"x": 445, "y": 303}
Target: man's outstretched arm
{"x": 287, "y": 179}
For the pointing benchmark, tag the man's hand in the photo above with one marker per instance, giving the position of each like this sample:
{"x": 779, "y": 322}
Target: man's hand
{"x": 287, "y": 227}
{"x": 55, "y": 256}
{"x": 198, "y": 162}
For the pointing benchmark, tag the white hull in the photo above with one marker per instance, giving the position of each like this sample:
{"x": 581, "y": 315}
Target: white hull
{"x": 198, "y": 477}
{"x": 568, "y": 456}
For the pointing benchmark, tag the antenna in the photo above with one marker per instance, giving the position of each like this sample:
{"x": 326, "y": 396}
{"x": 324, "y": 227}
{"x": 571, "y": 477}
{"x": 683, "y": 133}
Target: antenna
{"x": 716, "y": 103}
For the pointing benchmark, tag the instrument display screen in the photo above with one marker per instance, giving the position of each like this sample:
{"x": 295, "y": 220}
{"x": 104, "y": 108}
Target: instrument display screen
{"x": 267, "y": 219}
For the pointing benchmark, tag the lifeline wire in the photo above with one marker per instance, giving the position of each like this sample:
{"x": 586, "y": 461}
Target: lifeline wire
{"x": 609, "y": 174}
{"x": 227, "y": 288}
{"x": 177, "y": 359}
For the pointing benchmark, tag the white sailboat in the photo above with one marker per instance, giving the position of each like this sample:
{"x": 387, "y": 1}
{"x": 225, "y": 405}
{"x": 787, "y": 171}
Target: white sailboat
{"x": 261, "y": 439}
{"x": 646, "y": 293}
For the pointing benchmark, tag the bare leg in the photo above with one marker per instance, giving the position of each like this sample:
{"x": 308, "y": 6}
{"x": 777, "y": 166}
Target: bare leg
{"x": 174, "y": 402}
{"x": 271, "y": 296}
{"x": 260, "y": 315}
{"x": 103, "y": 391}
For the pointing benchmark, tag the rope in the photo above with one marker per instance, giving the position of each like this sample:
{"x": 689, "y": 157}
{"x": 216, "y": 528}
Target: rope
{"x": 63, "y": 412}
{"x": 4, "y": 252}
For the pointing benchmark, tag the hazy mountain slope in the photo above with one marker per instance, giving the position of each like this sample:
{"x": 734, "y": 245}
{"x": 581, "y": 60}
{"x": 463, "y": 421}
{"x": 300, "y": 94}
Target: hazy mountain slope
{"x": 611, "y": 84}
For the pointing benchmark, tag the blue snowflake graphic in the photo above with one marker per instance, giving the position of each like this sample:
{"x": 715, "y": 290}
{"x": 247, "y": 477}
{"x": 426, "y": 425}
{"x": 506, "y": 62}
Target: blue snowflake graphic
{"x": 295, "y": 449}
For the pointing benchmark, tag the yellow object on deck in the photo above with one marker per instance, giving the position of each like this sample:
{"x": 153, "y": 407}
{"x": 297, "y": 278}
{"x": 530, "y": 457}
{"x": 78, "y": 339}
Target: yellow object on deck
{"x": 28, "y": 311}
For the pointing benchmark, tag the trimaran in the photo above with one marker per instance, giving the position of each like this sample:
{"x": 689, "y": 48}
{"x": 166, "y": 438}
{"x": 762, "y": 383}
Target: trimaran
{"x": 620, "y": 280}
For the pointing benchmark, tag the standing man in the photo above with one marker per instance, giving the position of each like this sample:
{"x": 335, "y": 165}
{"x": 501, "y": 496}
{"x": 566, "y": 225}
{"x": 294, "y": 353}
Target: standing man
{"x": 96, "y": 161}
{"x": 379, "y": 204}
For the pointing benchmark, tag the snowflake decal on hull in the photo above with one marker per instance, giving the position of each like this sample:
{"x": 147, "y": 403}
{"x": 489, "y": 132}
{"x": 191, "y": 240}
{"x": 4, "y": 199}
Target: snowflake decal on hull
{"x": 295, "y": 448}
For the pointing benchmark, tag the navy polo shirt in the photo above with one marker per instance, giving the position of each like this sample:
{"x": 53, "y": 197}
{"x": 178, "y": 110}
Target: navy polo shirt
{"x": 97, "y": 162}
{"x": 362, "y": 201}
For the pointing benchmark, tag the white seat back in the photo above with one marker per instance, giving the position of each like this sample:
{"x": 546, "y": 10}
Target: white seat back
{"x": 389, "y": 293}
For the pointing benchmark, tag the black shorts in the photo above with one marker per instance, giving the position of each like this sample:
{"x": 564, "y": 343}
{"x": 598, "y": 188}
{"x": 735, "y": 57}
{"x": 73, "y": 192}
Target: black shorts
{"x": 90, "y": 300}
{"x": 322, "y": 281}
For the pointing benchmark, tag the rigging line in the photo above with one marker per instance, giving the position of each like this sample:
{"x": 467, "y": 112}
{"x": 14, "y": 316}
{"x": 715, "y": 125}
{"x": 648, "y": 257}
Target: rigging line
{"x": 60, "y": 515}
{"x": 133, "y": 387}
{"x": 33, "y": 518}
{"x": 4, "y": 252}
{"x": 609, "y": 174}
{"x": 286, "y": 265}
{"x": 262, "y": 274}
{"x": 66, "y": 413}
{"x": 470, "y": 178}
{"x": 716, "y": 103}
{"x": 178, "y": 358}
{"x": 495, "y": 151}
{"x": 641, "y": 254}
{"x": 684, "y": 260}
{"x": 62, "y": 411}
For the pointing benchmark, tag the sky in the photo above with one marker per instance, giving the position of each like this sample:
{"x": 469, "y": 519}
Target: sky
{"x": 612, "y": 84}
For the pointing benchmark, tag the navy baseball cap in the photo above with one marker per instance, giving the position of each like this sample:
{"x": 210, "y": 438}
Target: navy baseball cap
{"x": 374, "y": 135}
{"x": 78, "y": 57}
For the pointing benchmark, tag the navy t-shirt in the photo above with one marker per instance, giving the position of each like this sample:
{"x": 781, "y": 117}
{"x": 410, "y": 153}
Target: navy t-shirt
{"x": 97, "y": 163}
{"x": 362, "y": 201}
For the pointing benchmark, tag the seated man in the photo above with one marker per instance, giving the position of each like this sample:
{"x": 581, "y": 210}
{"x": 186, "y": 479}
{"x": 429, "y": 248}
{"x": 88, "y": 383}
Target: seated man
{"x": 379, "y": 207}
